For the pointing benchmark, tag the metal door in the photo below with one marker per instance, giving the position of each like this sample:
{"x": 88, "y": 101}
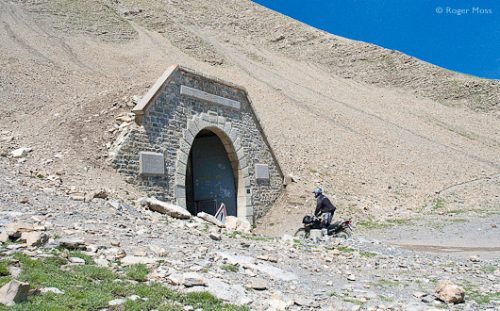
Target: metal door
{"x": 213, "y": 178}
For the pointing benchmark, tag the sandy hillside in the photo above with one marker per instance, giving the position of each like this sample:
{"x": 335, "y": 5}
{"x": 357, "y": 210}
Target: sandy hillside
{"x": 382, "y": 132}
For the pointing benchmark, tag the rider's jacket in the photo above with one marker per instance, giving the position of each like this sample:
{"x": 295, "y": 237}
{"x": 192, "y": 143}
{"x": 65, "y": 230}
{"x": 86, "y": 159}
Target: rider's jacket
{"x": 323, "y": 205}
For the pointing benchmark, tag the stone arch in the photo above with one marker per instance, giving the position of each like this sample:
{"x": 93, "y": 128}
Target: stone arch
{"x": 236, "y": 153}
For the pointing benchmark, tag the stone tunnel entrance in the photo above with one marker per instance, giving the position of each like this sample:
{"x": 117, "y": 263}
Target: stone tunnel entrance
{"x": 211, "y": 178}
{"x": 197, "y": 142}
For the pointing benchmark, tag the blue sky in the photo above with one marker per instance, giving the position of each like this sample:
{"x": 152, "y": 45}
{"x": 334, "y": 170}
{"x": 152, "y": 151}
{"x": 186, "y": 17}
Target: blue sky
{"x": 461, "y": 35}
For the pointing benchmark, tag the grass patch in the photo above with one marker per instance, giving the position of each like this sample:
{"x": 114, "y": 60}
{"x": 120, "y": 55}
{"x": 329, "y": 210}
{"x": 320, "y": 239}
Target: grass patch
{"x": 88, "y": 287}
{"x": 353, "y": 300}
{"x": 438, "y": 203}
{"x": 4, "y": 280}
{"x": 386, "y": 283}
{"x": 385, "y": 298}
{"x": 473, "y": 293}
{"x": 229, "y": 267}
{"x": 371, "y": 223}
{"x": 3, "y": 268}
{"x": 137, "y": 272}
{"x": 345, "y": 249}
{"x": 367, "y": 254}
{"x": 397, "y": 221}
{"x": 458, "y": 220}
{"x": 489, "y": 268}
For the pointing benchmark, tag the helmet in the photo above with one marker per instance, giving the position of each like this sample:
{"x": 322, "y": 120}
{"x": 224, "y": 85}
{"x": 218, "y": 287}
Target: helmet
{"x": 317, "y": 192}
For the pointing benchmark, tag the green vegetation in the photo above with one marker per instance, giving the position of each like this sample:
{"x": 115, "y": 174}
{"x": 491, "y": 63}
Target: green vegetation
{"x": 371, "y": 223}
{"x": 4, "y": 272}
{"x": 345, "y": 249}
{"x": 3, "y": 268}
{"x": 386, "y": 283}
{"x": 489, "y": 268}
{"x": 385, "y": 298}
{"x": 348, "y": 299}
{"x": 237, "y": 234}
{"x": 353, "y": 300}
{"x": 438, "y": 203}
{"x": 88, "y": 287}
{"x": 367, "y": 254}
{"x": 472, "y": 292}
{"x": 137, "y": 272}
{"x": 229, "y": 267}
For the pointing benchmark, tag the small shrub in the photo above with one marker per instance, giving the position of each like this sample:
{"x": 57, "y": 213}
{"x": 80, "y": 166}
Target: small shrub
{"x": 367, "y": 254}
{"x": 345, "y": 249}
{"x": 3, "y": 268}
{"x": 137, "y": 272}
{"x": 438, "y": 203}
{"x": 229, "y": 268}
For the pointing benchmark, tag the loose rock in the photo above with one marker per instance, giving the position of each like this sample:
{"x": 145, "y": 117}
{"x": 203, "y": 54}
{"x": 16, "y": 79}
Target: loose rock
{"x": 449, "y": 292}
{"x": 171, "y": 210}
{"x": 14, "y": 292}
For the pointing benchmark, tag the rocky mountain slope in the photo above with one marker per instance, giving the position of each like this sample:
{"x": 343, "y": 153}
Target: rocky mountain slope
{"x": 379, "y": 130}
{"x": 192, "y": 255}
{"x": 386, "y": 135}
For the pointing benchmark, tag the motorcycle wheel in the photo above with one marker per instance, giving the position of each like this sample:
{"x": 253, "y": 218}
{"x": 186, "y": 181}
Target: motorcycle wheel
{"x": 301, "y": 234}
{"x": 345, "y": 234}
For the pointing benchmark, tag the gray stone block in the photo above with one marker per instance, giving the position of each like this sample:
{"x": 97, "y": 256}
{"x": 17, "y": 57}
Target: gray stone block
{"x": 262, "y": 171}
{"x": 151, "y": 164}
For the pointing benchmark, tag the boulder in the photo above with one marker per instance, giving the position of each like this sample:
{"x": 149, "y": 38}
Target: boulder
{"x": 77, "y": 260}
{"x": 215, "y": 236}
{"x": 14, "y": 292}
{"x": 117, "y": 302}
{"x": 14, "y": 271}
{"x": 34, "y": 238}
{"x": 158, "y": 251}
{"x": 4, "y": 237}
{"x": 257, "y": 284}
{"x": 238, "y": 224}
{"x": 53, "y": 290}
{"x": 73, "y": 244}
{"x": 228, "y": 292}
{"x": 449, "y": 292}
{"x": 169, "y": 209}
{"x": 191, "y": 279}
{"x": 211, "y": 219}
{"x": 21, "y": 152}
{"x": 14, "y": 230}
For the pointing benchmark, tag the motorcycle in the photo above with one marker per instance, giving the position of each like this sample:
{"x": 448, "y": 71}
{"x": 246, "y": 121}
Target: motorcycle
{"x": 339, "y": 229}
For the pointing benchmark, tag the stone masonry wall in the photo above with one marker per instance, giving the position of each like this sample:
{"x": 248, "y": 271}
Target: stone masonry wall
{"x": 164, "y": 127}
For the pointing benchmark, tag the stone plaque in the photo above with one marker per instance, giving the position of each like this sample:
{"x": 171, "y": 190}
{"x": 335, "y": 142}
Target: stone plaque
{"x": 199, "y": 94}
{"x": 151, "y": 163}
{"x": 262, "y": 171}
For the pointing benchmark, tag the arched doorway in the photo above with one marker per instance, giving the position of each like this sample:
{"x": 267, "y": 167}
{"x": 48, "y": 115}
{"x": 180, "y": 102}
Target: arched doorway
{"x": 210, "y": 175}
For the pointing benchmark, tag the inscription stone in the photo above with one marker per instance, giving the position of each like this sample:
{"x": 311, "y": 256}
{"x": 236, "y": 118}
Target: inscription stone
{"x": 262, "y": 171}
{"x": 151, "y": 163}
{"x": 192, "y": 92}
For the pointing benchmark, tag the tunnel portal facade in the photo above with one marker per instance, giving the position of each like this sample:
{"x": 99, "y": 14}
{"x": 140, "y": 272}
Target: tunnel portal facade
{"x": 198, "y": 143}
